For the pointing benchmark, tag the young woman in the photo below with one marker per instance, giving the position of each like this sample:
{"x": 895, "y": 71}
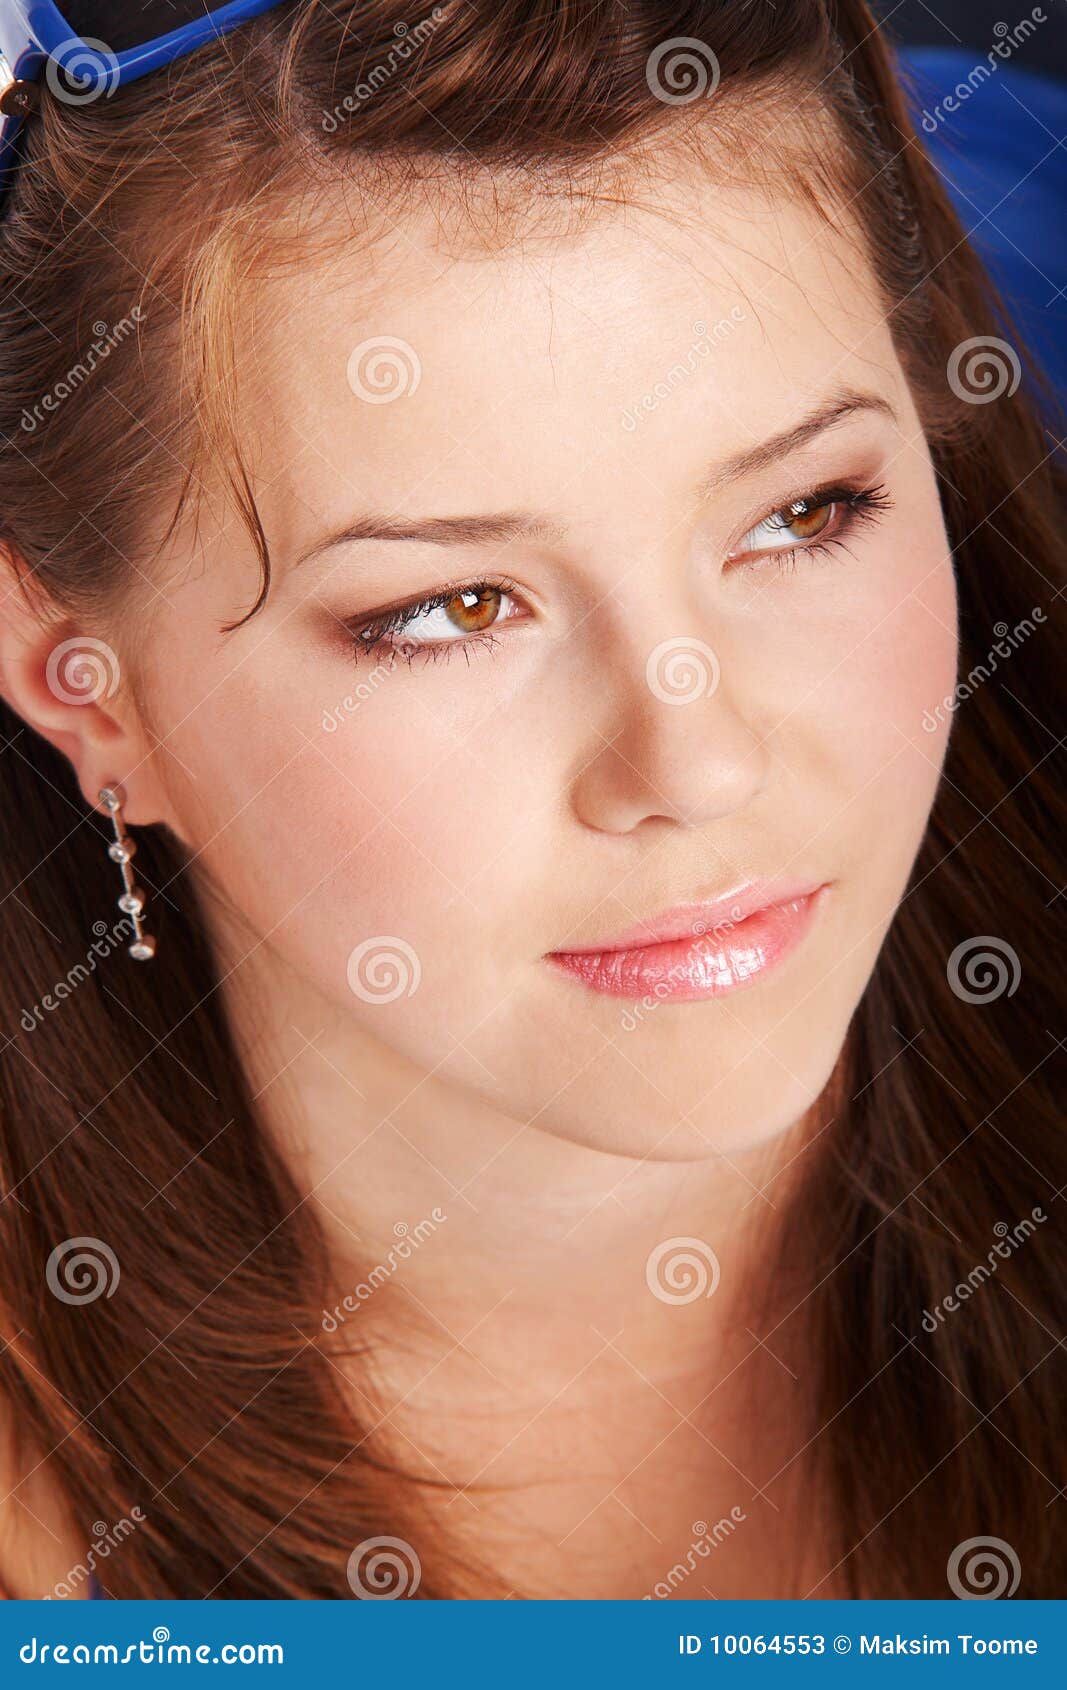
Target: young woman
{"x": 534, "y": 524}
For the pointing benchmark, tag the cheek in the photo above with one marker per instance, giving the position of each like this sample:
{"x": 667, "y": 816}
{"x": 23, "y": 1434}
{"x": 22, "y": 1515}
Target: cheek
{"x": 364, "y": 841}
{"x": 874, "y": 713}
{"x": 893, "y": 680}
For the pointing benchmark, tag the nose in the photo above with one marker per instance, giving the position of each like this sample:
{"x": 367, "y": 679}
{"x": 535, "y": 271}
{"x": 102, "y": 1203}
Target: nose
{"x": 673, "y": 742}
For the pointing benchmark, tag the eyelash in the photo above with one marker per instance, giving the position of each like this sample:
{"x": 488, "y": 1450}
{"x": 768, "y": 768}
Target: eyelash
{"x": 370, "y": 635}
{"x": 859, "y": 505}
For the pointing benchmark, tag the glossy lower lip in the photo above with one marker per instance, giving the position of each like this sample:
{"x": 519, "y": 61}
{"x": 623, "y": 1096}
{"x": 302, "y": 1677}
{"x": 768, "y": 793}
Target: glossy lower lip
{"x": 704, "y": 966}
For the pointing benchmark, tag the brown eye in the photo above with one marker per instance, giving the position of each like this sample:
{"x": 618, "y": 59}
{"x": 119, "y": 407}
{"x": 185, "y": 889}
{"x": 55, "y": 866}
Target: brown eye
{"x": 472, "y": 611}
{"x": 806, "y": 521}
{"x": 446, "y": 619}
{"x": 802, "y": 525}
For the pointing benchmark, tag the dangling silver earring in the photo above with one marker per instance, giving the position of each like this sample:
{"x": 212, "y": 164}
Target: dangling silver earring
{"x": 121, "y": 850}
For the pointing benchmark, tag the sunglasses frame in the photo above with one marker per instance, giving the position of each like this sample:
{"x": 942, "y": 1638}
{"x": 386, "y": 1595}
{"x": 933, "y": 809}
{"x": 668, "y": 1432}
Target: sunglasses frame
{"x": 34, "y": 33}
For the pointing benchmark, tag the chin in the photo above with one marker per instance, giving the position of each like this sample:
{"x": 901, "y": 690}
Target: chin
{"x": 683, "y": 1113}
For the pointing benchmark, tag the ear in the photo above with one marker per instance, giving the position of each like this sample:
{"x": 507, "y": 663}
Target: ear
{"x": 68, "y": 686}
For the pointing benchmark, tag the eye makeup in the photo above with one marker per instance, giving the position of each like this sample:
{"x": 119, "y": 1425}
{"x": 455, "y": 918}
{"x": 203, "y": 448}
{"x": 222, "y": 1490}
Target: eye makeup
{"x": 470, "y": 609}
{"x": 467, "y": 614}
{"x": 845, "y": 508}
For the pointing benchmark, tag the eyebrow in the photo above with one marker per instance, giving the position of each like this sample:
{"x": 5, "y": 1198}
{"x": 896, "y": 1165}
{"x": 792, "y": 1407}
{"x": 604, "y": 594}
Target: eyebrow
{"x": 495, "y": 527}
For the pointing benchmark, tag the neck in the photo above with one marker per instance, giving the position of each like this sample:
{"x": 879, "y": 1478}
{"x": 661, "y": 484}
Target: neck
{"x": 507, "y": 1302}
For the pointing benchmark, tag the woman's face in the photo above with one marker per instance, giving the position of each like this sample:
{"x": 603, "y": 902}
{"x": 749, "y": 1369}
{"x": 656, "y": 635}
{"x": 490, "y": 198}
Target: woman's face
{"x": 671, "y": 689}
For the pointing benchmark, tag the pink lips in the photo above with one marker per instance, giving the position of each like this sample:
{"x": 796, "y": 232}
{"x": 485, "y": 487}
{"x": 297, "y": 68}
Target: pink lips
{"x": 697, "y": 950}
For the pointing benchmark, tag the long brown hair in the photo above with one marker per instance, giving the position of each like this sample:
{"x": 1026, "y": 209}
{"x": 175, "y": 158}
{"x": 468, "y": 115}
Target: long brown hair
{"x": 200, "y": 1396}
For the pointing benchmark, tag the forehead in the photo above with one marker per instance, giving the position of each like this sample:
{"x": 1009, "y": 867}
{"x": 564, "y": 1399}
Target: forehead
{"x": 428, "y": 372}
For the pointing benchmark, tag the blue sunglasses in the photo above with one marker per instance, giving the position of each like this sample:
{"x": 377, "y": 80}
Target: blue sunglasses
{"x": 86, "y": 50}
